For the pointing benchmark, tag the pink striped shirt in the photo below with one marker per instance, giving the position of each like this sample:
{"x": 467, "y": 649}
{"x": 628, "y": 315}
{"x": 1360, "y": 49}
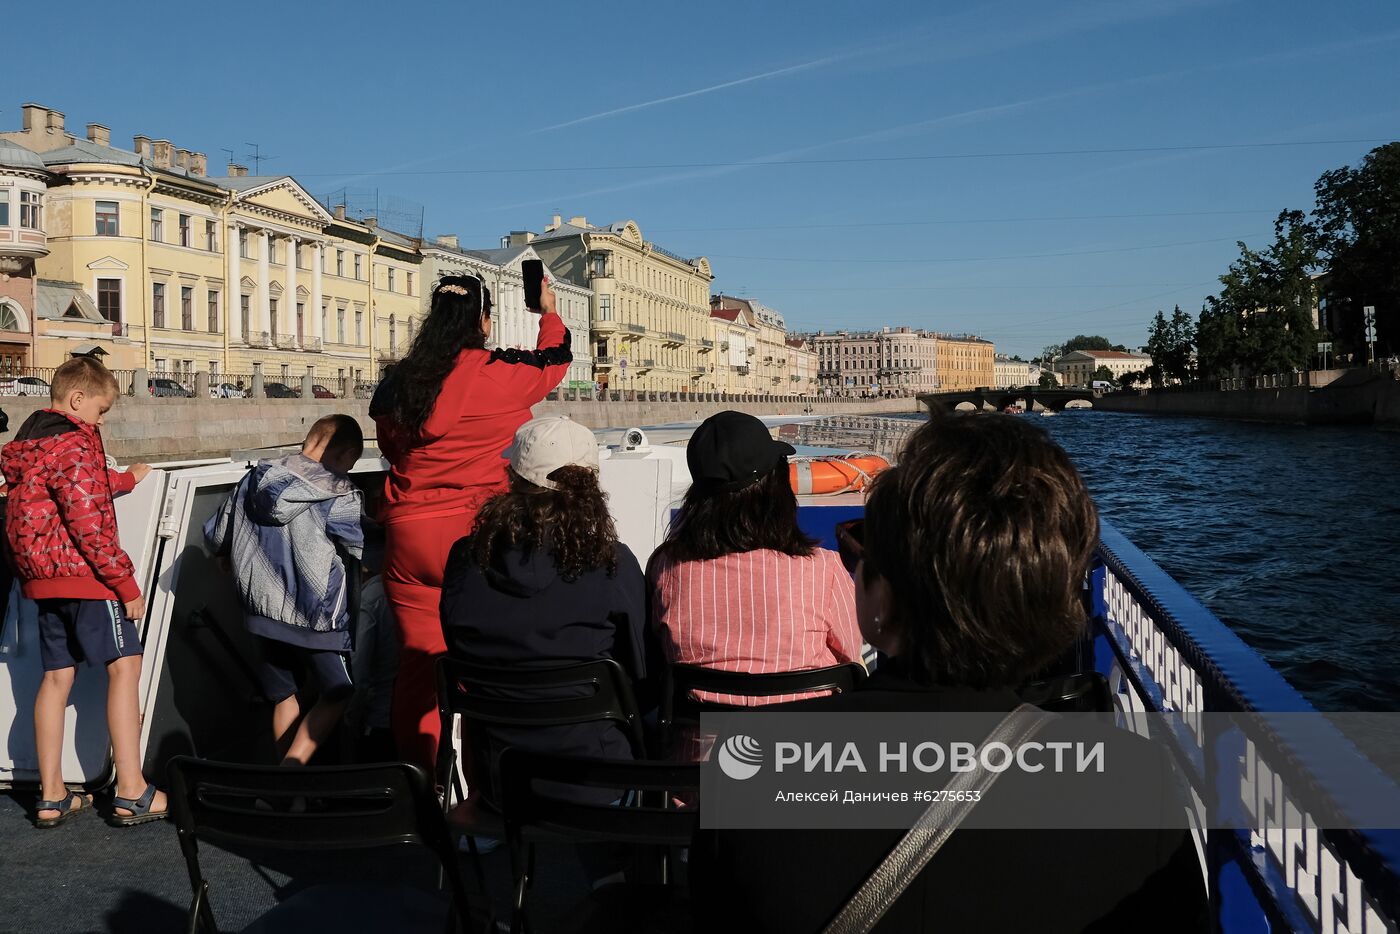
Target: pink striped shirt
{"x": 758, "y": 612}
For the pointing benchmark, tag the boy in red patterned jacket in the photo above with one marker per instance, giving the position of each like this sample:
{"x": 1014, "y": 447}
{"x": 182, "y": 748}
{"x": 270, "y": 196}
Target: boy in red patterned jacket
{"x": 62, "y": 530}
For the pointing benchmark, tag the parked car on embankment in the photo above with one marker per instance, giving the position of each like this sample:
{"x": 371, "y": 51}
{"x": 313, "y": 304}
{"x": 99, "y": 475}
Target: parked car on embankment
{"x": 169, "y": 388}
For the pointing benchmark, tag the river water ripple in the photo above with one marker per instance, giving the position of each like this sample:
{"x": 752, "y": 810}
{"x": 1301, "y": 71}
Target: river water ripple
{"x": 1287, "y": 533}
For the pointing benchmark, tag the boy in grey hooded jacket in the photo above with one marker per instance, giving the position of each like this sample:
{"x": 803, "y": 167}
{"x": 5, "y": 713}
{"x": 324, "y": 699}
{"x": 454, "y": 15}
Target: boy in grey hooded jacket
{"x": 288, "y": 529}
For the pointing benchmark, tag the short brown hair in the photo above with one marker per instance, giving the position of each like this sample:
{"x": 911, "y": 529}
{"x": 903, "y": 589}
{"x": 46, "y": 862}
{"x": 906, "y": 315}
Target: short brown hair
{"x": 82, "y": 373}
{"x": 984, "y": 531}
{"x": 342, "y": 433}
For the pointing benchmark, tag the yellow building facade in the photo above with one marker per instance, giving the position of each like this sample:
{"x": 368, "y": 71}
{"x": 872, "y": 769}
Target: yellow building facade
{"x": 736, "y": 343}
{"x": 650, "y": 322}
{"x": 214, "y": 274}
{"x": 776, "y": 366}
{"x": 964, "y": 362}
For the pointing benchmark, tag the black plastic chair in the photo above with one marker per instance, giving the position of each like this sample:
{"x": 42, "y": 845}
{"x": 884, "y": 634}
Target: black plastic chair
{"x": 677, "y": 705}
{"x": 558, "y": 695}
{"x": 319, "y": 808}
{"x": 535, "y": 810}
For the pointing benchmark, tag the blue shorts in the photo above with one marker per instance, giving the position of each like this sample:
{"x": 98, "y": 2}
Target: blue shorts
{"x": 282, "y": 662}
{"x": 95, "y": 631}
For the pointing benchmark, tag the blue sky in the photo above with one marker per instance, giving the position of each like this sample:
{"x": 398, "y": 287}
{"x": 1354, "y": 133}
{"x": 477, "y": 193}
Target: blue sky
{"x": 1013, "y": 232}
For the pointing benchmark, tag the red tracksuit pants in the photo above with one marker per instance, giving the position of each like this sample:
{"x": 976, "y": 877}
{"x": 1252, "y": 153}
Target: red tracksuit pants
{"x": 416, "y": 550}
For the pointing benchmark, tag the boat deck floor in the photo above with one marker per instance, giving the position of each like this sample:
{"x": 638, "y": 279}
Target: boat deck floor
{"x": 86, "y": 876}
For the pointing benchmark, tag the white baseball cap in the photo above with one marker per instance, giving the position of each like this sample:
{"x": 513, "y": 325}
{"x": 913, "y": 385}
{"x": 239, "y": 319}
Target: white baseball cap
{"x": 543, "y": 445}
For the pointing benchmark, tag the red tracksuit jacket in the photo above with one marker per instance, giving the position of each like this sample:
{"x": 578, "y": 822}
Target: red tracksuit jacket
{"x": 456, "y": 464}
{"x": 59, "y": 521}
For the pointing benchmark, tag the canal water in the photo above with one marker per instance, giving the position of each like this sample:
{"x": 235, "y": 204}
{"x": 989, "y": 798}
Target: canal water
{"x": 1289, "y": 534}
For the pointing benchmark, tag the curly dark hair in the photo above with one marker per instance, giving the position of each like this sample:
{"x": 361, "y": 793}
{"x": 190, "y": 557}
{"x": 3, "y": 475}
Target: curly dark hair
{"x": 713, "y": 522}
{"x": 571, "y": 524}
{"x": 454, "y": 324}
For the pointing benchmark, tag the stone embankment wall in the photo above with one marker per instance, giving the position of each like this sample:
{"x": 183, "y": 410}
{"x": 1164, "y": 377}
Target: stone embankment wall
{"x": 170, "y": 429}
{"x": 1354, "y": 399}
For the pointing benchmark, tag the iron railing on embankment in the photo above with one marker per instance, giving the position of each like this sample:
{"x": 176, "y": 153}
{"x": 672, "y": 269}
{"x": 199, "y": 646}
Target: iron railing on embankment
{"x": 1290, "y": 379}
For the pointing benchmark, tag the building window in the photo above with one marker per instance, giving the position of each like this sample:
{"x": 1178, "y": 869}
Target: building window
{"x": 340, "y": 263}
{"x": 161, "y": 366}
{"x": 211, "y": 236}
{"x": 187, "y": 309}
{"x": 286, "y": 373}
{"x": 410, "y": 332}
{"x": 391, "y": 280}
{"x": 245, "y": 312}
{"x": 272, "y": 317}
{"x": 357, "y": 266}
{"x": 325, "y": 313}
{"x": 340, "y": 325}
{"x": 29, "y": 210}
{"x": 301, "y": 323}
{"x": 408, "y": 283}
{"x": 243, "y": 244}
{"x": 604, "y": 307}
{"x": 107, "y": 219}
{"x": 212, "y": 300}
{"x": 271, "y": 250}
{"x": 4, "y": 208}
{"x": 157, "y": 225}
{"x": 359, "y": 327}
{"x": 109, "y": 299}
{"x": 184, "y": 230}
{"x": 393, "y": 335}
{"x": 158, "y": 304}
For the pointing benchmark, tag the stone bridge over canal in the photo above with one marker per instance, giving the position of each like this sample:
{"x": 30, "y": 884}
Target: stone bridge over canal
{"x": 998, "y": 399}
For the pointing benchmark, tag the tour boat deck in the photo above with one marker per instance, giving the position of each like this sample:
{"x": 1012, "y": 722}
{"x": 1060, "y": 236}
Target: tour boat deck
{"x": 87, "y": 876}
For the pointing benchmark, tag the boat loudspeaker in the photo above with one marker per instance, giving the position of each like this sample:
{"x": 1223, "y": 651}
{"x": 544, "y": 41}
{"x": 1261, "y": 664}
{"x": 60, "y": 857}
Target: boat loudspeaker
{"x": 634, "y": 439}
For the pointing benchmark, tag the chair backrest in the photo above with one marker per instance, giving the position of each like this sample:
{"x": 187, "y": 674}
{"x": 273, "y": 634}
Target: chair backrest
{"x": 681, "y": 680}
{"x": 557, "y": 695}
{"x": 653, "y": 818}
{"x": 354, "y": 807}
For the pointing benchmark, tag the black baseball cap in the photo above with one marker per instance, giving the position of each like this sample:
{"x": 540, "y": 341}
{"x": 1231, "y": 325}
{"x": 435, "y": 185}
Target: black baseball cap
{"x": 733, "y": 449}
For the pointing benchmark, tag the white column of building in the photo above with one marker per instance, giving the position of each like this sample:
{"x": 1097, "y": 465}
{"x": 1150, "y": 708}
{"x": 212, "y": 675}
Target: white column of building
{"x": 317, "y": 258}
{"x": 290, "y": 312}
{"x": 262, "y": 315}
{"x": 233, "y": 319}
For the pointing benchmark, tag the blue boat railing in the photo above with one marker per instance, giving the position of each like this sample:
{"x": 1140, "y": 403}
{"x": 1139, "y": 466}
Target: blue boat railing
{"x": 1164, "y": 652}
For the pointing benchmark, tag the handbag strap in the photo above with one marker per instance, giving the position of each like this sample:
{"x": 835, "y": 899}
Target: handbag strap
{"x": 903, "y": 864}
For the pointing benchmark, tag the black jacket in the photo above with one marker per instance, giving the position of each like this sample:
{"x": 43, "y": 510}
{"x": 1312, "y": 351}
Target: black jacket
{"x": 521, "y": 612}
{"x": 981, "y": 880}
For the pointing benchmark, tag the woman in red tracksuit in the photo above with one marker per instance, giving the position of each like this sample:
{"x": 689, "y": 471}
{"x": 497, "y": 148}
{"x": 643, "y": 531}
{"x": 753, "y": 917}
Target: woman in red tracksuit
{"x": 446, "y": 414}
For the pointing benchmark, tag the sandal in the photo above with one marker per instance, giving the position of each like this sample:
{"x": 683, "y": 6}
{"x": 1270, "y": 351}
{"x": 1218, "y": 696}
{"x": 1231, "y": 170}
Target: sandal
{"x": 65, "y": 808}
{"x": 140, "y": 809}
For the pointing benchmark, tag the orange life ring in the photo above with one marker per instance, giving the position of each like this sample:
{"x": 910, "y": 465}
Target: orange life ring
{"x": 838, "y": 473}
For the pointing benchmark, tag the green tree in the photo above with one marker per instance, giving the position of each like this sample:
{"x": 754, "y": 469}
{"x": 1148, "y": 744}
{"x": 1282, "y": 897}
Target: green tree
{"x": 1133, "y": 377}
{"x": 1047, "y": 380}
{"x": 1171, "y": 345}
{"x": 1103, "y": 374}
{"x": 1089, "y": 342}
{"x": 1218, "y": 339}
{"x": 1262, "y": 319}
{"x": 1358, "y": 226}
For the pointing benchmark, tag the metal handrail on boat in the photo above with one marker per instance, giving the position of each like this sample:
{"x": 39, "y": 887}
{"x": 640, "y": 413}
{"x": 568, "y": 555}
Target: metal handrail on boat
{"x": 1165, "y": 652}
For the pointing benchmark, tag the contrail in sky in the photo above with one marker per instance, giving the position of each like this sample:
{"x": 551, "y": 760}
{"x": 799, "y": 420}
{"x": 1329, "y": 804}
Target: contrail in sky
{"x": 763, "y": 76}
